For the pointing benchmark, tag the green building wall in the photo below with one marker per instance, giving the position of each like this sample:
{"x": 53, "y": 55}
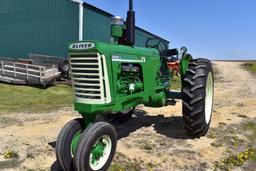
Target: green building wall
{"x": 37, "y": 26}
{"x": 46, "y": 27}
{"x": 97, "y": 27}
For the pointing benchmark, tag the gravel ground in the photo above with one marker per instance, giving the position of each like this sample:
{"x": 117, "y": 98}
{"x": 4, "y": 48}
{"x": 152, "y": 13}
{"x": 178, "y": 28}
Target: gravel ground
{"x": 153, "y": 139}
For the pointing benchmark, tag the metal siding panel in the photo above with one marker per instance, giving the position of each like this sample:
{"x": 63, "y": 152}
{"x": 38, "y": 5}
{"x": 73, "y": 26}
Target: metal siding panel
{"x": 46, "y": 27}
{"x": 141, "y": 38}
{"x": 97, "y": 26}
{"x": 37, "y": 26}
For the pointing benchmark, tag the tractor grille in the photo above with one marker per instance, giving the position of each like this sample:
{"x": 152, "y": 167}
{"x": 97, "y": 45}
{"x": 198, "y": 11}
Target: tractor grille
{"x": 90, "y": 78}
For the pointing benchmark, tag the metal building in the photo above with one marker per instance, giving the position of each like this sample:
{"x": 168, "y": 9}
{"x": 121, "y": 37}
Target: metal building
{"x": 46, "y": 26}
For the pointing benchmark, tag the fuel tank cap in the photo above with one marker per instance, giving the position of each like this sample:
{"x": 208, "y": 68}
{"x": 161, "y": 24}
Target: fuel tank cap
{"x": 116, "y": 20}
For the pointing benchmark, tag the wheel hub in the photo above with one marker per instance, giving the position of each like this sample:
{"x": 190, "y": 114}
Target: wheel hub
{"x": 100, "y": 152}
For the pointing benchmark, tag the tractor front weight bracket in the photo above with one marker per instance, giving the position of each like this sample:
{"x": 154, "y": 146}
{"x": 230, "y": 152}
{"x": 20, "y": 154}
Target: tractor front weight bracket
{"x": 89, "y": 119}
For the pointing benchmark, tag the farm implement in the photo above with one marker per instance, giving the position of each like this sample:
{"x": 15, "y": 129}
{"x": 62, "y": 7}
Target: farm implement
{"x": 114, "y": 78}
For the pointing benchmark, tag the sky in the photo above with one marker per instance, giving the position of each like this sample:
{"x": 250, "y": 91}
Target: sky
{"x": 214, "y": 29}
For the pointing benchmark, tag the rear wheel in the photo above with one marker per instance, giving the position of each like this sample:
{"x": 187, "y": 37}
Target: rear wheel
{"x": 96, "y": 148}
{"x": 198, "y": 90}
{"x": 64, "y": 68}
{"x": 63, "y": 149}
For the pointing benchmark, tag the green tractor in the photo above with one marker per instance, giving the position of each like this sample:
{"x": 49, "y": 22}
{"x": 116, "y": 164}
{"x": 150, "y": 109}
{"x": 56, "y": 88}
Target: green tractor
{"x": 113, "y": 78}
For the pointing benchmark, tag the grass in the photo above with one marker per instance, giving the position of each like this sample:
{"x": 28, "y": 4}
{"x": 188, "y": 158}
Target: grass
{"x": 131, "y": 166}
{"x": 251, "y": 126}
{"x": 8, "y": 164}
{"x": 217, "y": 74}
{"x": 16, "y": 99}
{"x": 251, "y": 67}
{"x": 7, "y": 121}
{"x": 175, "y": 83}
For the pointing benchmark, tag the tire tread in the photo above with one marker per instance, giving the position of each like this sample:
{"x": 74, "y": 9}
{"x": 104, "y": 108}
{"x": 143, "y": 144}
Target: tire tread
{"x": 193, "y": 90}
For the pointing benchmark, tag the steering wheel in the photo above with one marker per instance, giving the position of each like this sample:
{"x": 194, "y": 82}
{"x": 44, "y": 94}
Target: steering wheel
{"x": 157, "y": 43}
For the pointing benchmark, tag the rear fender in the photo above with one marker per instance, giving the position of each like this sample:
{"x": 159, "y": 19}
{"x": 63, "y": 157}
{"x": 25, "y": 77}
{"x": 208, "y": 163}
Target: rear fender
{"x": 186, "y": 58}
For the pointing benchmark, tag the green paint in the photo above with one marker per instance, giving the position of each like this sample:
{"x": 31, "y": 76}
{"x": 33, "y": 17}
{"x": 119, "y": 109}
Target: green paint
{"x": 97, "y": 152}
{"x": 116, "y": 31}
{"x": 157, "y": 100}
{"x": 88, "y": 121}
{"x": 148, "y": 85}
{"x": 75, "y": 142}
{"x": 184, "y": 64}
{"x": 147, "y": 91}
{"x": 89, "y": 118}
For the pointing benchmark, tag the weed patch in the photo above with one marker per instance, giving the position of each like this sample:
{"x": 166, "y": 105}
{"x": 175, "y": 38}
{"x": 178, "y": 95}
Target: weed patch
{"x": 11, "y": 154}
{"x": 14, "y": 163}
{"x": 175, "y": 83}
{"x": 251, "y": 126}
{"x": 236, "y": 160}
{"x": 130, "y": 166}
{"x": 122, "y": 163}
{"x": 251, "y": 67}
{"x": 241, "y": 152}
{"x": 7, "y": 121}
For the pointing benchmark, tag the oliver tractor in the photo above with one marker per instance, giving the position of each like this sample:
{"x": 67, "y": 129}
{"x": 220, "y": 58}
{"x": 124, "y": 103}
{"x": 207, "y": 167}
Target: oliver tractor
{"x": 113, "y": 78}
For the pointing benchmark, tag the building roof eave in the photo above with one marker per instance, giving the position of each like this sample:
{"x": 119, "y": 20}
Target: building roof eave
{"x": 78, "y": 1}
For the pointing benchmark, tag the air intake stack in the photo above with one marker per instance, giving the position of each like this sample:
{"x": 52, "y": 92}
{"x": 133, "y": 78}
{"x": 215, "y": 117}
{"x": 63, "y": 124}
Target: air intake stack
{"x": 130, "y": 25}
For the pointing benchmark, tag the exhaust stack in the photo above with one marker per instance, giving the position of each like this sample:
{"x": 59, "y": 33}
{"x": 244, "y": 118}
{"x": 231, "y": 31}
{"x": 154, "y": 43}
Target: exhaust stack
{"x": 130, "y": 25}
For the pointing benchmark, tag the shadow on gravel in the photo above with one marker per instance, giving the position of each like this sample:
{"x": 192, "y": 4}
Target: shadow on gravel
{"x": 171, "y": 127}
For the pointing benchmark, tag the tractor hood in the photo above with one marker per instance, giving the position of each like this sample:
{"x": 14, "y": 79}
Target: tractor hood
{"x": 110, "y": 77}
{"x": 106, "y": 48}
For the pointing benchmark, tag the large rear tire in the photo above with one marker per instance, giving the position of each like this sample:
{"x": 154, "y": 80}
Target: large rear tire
{"x": 198, "y": 91}
{"x": 63, "y": 145}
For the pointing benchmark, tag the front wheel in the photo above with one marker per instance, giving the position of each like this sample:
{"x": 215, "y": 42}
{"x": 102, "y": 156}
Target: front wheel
{"x": 97, "y": 148}
{"x": 198, "y": 91}
{"x": 63, "y": 147}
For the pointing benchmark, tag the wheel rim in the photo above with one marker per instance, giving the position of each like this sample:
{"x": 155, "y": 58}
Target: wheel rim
{"x": 74, "y": 143}
{"x": 100, "y": 152}
{"x": 208, "y": 98}
{"x": 66, "y": 68}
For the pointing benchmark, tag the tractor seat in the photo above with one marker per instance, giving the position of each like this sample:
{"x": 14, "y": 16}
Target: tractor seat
{"x": 170, "y": 55}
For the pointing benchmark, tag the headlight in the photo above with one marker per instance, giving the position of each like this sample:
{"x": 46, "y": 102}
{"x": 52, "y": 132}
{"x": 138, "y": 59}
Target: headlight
{"x": 183, "y": 50}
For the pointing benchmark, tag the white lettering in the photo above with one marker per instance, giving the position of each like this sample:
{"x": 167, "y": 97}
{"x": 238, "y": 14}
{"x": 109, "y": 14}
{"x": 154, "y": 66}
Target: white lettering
{"x": 84, "y": 45}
